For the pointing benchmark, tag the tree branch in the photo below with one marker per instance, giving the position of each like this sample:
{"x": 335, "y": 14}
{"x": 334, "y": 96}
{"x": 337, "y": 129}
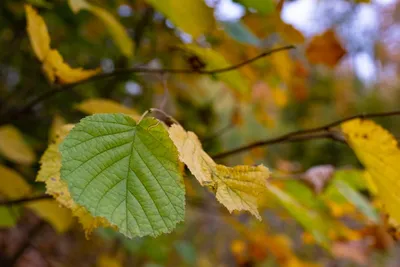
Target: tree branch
{"x": 63, "y": 88}
{"x": 24, "y": 200}
{"x": 322, "y": 132}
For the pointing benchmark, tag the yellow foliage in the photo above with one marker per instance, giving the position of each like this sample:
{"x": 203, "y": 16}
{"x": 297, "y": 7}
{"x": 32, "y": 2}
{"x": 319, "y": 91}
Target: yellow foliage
{"x": 99, "y": 105}
{"x": 377, "y": 150}
{"x": 108, "y": 261}
{"x": 13, "y": 146}
{"x": 325, "y": 49}
{"x": 40, "y": 39}
{"x": 237, "y": 188}
{"x": 117, "y": 31}
{"x": 56, "y": 124}
{"x": 50, "y": 174}
{"x": 13, "y": 186}
{"x": 54, "y": 66}
{"x": 193, "y": 17}
{"x": 215, "y": 60}
{"x": 51, "y": 211}
{"x": 57, "y": 70}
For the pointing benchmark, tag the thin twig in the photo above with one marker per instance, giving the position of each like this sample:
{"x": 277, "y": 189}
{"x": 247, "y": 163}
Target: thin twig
{"x": 55, "y": 90}
{"x": 321, "y": 132}
{"x": 24, "y": 200}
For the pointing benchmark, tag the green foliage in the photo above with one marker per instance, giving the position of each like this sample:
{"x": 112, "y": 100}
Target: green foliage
{"x": 125, "y": 172}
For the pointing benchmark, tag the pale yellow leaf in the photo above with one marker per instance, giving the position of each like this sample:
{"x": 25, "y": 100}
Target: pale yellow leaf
{"x": 77, "y": 5}
{"x": 54, "y": 67}
{"x": 108, "y": 261}
{"x": 50, "y": 174}
{"x": 56, "y": 124}
{"x": 57, "y": 70}
{"x": 117, "y": 31}
{"x": 37, "y": 32}
{"x": 59, "y": 217}
{"x": 283, "y": 65}
{"x": 215, "y": 60}
{"x": 193, "y": 17}
{"x": 101, "y": 105}
{"x": 237, "y": 188}
{"x": 13, "y": 186}
{"x": 377, "y": 150}
{"x": 14, "y": 147}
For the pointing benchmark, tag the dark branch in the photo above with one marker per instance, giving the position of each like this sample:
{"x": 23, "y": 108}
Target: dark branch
{"x": 24, "y": 200}
{"x": 322, "y": 132}
{"x": 48, "y": 94}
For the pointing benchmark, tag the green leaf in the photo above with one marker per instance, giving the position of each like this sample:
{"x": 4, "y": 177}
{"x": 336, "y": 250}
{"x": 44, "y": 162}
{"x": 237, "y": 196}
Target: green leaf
{"x": 357, "y": 200}
{"x": 193, "y": 17}
{"x": 9, "y": 216}
{"x": 125, "y": 172}
{"x": 311, "y": 220}
{"x": 115, "y": 28}
{"x": 262, "y": 6}
{"x": 240, "y": 32}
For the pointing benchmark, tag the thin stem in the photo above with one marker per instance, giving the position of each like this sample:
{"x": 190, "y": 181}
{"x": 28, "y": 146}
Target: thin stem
{"x": 320, "y": 132}
{"x": 24, "y": 200}
{"x": 48, "y": 94}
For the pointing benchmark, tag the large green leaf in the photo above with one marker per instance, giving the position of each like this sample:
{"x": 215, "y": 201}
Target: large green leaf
{"x": 125, "y": 172}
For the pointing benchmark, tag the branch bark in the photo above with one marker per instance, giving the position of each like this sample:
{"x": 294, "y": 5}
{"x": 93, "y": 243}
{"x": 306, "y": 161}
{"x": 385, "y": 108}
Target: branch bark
{"x": 63, "y": 88}
{"x": 321, "y": 132}
{"x": 24, "y": 200}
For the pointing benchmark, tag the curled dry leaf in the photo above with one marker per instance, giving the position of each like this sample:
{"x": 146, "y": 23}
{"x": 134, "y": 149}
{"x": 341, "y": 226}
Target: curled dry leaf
{"x": 53, "y": 66}
{"x": 318, "y": 177}
{"x": 237, "y": 188}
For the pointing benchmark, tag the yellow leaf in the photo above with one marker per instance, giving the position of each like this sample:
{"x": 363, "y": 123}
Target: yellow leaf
{"x": 51, "y": 211}
{"x": 377, "y": 150}
{"x": 108, "y": 261}
{"x": 237, "y": 188}
{"x": 283, "y": 65}
{"x": 117, "y": 31}
{"x": 13, "y": 146}
{"x": 53, "y": 64}
{"x": 100, "y": 105}
{"x": 325, "y": 49}
{"x": 50, "y": 174}
{"x": 56, "y": 124}
{"x": 193, "y": 17}
{"x": 37, "y": 32}
{"x": 215, "y": 60}
{"x": 57, "y": 70}
{"x": 13, "y": 186}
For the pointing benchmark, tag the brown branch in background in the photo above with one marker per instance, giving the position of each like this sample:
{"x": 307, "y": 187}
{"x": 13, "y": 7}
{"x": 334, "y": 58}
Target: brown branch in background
{"x": 55, "y": 90}
{"x": 24, "y": 200}
{"x": 322, "y": 132}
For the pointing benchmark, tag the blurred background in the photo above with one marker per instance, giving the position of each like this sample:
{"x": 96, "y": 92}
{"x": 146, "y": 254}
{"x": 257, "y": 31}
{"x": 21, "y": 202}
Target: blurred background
{"x": 346, "y": 62}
